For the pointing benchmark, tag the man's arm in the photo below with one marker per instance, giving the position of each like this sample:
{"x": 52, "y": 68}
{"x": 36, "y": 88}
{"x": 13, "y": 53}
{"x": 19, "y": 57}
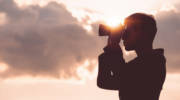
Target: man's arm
{"x": 111, "y": 63}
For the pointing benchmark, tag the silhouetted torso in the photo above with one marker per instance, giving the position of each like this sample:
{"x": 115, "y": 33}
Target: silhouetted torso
{"x": 139, "y": 79}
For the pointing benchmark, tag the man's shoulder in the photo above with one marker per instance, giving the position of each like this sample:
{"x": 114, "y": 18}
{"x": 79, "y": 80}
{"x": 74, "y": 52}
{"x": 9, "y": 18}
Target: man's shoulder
{"x": 156, "y": 57}
{"x": 153, "y": 59}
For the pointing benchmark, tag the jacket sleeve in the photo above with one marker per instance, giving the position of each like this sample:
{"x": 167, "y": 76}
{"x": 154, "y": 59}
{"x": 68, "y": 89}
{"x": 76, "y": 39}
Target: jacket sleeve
{"x": 110, "y": 66}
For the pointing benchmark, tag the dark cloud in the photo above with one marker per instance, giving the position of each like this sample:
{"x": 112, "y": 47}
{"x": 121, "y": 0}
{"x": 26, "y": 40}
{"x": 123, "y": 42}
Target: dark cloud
{"x": 43, "y": 41}
{"x": 168, "y": 37}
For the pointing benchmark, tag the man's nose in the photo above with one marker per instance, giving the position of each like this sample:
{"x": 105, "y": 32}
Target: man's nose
{"x": 124, "y": 36}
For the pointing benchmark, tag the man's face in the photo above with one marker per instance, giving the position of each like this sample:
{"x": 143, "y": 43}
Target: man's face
{"x": 131, "y": 37}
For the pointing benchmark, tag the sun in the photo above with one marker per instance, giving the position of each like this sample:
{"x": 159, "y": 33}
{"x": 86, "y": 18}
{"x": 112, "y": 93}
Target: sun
{"x": 114, "y": 22}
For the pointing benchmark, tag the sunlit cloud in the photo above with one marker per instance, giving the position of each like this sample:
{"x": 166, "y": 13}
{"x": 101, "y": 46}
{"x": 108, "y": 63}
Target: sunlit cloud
{"x": 24, "y": 3}
{"x": 3, "y": 67}
{"x": 168, "y": 7}
{"x": 87, "y": 70}
{"x": 3, "y": 18}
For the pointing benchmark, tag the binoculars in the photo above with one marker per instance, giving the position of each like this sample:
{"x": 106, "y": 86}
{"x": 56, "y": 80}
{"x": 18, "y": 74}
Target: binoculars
{"x": 105, "y": 30}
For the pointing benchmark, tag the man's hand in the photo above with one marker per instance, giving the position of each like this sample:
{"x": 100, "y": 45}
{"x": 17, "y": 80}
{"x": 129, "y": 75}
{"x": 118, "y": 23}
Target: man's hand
{"x": 115, "y": 36}
{"x": 114, "y": 40}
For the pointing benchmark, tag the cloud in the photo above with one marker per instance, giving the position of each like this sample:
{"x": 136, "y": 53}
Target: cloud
{"x": 168, "y": 37}
{"x": 43, "y": 41}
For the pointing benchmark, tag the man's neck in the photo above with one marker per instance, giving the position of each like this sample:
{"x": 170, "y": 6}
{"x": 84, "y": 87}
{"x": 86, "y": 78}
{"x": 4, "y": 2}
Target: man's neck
{"x": 144, "y": 50}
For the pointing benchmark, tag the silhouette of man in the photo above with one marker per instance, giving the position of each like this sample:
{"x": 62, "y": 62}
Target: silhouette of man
{"x": 141, "y": 78}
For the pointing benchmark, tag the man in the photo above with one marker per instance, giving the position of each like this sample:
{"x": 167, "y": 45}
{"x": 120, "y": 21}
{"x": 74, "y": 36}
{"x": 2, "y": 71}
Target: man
{"x": 143, "y": 77}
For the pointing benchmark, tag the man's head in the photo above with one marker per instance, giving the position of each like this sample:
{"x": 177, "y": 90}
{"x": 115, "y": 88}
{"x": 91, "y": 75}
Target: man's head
{"x": 140, "y": 30}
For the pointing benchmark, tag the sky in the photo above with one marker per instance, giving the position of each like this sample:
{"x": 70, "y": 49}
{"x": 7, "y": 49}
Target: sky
{"x": 49, "y": 48}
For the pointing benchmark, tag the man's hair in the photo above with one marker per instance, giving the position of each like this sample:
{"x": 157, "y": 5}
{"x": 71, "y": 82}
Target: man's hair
{"x": 147, "y": 23}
